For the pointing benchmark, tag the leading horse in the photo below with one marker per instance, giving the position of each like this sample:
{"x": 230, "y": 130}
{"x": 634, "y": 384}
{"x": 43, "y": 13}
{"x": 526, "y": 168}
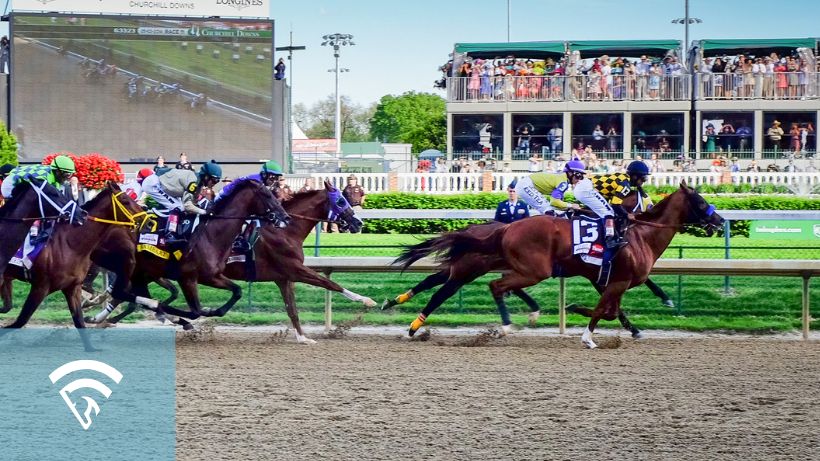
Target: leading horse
{"x": 541, "y": 247}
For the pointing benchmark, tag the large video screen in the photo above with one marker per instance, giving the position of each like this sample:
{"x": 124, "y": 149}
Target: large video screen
{"x": 136, "y": 88}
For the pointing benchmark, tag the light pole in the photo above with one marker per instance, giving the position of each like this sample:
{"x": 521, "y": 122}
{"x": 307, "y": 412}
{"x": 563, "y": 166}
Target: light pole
{"x": 508, "y": 21}
{"x": 686, "y": 20}
{"x": 337, "y": 41}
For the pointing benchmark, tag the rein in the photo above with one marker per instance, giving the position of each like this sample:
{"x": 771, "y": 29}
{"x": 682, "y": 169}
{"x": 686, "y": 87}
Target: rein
{"x": 308, "y": 218}
{"x": 652, "y": 224}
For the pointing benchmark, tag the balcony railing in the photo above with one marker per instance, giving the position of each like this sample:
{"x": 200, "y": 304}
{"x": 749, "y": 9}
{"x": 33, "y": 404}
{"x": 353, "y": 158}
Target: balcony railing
{"x": 561, "y": 88}
{"x": 779, "y": 85}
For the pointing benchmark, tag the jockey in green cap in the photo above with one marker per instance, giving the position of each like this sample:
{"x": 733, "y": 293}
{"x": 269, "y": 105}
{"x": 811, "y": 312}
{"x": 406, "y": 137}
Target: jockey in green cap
{"x": 54, "y": 174}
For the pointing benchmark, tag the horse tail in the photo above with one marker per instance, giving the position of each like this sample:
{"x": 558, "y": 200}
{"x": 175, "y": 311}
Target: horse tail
{"x": 453, "y": 245}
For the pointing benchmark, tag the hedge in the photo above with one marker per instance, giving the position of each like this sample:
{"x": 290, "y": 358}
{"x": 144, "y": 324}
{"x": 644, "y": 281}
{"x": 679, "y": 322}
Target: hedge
{"x": 489, "y": 201}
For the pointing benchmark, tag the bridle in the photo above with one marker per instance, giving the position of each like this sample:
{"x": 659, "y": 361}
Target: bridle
{"x": 120, "y": 209}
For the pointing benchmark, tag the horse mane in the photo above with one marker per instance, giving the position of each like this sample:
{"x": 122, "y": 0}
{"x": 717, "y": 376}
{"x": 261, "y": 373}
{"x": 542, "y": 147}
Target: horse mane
{"x": 17, "y": 195}
{"x": 298, "y": 197}
{"x": 659, "y": 207}
{"x": 94, "y": 201}
{"x": 222, "y": 203}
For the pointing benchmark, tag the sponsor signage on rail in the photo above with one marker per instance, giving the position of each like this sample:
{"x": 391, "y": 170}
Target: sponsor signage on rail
{"x": 221, "y": 8}
{"x": 794, "y": 230}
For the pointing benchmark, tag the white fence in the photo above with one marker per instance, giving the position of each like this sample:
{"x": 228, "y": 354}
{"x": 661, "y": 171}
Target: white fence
{"x": 452, "y": 183}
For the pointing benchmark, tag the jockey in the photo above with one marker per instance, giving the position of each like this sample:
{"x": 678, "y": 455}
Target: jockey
{"x": 53, "y": 174}
{"x": 268, "y": 175}
{"x": 176, "y": 191}
{"x": 604, "y": 194}
{"x": 533, "y": 188}
{"x": 134, "y": 188}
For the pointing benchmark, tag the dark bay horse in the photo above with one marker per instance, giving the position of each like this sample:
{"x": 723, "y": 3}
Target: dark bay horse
{"x": 534, "y": 249}
{"x": 480, "y": 264}
{"x": 64, "y": 261}
{"x": 204, "y": 260}
{"x": 30, "y": 202}
{"x": 279, "y": 254}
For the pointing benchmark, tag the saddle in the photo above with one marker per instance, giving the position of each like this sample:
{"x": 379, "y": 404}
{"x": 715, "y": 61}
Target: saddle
{"x": 152, "y": 236}
{"x": 242, "y": 249}
{"x": 588, "y": 242}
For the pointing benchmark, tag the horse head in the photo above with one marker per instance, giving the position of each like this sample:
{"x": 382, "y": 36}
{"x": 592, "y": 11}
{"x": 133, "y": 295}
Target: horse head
{"x": 700, "y": 211}
{"x": 340, "y": 211}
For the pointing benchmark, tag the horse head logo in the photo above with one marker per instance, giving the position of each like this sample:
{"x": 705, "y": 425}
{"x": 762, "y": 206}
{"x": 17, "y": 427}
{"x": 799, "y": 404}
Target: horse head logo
{"x": 91, "y": 404}
{"x": 816, "y": 229}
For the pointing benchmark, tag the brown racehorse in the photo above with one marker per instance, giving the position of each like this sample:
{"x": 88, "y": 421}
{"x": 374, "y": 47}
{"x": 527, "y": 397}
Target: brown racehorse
{"x": 64, "y": 261}
{"x": 279, "y": 255}
{"x": 481, "y": 264}
{"x": 538, "y": 248}
{"x": 24, "y": 207}
{"x": 205, "y": 258}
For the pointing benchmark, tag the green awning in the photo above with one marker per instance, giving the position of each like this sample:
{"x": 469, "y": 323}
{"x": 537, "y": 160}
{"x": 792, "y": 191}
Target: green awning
{"x": 623, "y": 48}
{"x": 719, "y": 45}
{"x": 517, "y": 49}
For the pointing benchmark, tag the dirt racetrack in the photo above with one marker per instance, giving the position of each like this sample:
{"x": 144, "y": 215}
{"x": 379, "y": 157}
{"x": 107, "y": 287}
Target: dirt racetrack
{"x": 248, "y": 396}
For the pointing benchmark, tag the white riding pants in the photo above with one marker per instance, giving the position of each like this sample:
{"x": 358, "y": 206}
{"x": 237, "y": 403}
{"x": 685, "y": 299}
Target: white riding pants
{"x": 585, "y": 193}
{"x": 529, "y": 194}
{"x": 152, "y": 187}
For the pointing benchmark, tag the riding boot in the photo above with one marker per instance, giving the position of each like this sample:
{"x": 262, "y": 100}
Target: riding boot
{"x": 614, "y": 237}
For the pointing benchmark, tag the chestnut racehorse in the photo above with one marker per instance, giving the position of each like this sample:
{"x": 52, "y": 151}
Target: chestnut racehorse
{"x": 541, "y": 247}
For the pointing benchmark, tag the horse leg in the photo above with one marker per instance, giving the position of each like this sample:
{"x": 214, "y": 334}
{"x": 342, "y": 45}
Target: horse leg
{"x": 587, "y": 312}
{"x": 36, "y": 295}
{"x": 535, "y": 309}
{"x": 304, "y": 274}
{"x": 170, "y": 287}
{"x": 73, "y": 296}
{"x": 224, "y": 283}
{"x": 286, "y": 288}
{"x": 6, "y": 292}
{"x": 658, "y": 291}
{"x": 607, "y": 309}
{"x": 443, "y": 294}
{"x": 429, "y": 282}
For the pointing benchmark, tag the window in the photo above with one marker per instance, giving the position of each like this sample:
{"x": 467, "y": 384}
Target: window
{"x": 478, "y": 135}
{"x": 603, "y": 133}
{"x": 727, "y": 133}
{"x": 538, "y": 134}
{"x": 657, "y": 133}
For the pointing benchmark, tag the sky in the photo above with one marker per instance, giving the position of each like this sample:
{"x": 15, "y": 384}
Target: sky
{"x": 401, "y": 44}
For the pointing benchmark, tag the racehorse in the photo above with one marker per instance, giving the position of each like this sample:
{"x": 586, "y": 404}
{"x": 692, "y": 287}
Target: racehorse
{"x": 279, "y": 255}
{"x": 64, "y": 261}
{"x": 204, "y": 260}
{"x": 480, "y": 264}
{"x": 28, "y": 203}
{"x": 538, "y": 248}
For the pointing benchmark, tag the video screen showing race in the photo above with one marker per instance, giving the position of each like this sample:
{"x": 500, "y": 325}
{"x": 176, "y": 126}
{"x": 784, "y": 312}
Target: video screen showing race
{"x": 136, "y": 88}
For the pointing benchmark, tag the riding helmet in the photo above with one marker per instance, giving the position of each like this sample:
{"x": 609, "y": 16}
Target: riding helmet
{"x": 6, "y": 169}
{"x": 575, "y": 166}
{"x": 271, "y": 167}
{"x": 63, "y": 163}
{"x": 144, "y": 173}
{"x": 638, "y": 168}
{"x": 211, "y": 169}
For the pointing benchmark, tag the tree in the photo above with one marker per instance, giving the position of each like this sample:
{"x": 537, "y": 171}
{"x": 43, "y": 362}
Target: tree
{"x": 8, "y": 146}
{"x": 415, "y": 118}
{"x": 318, "y": 121}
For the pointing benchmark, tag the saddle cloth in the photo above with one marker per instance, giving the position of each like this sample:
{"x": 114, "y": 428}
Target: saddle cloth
{"x": 588, "y": 239}
{"x": 26, "y": 255}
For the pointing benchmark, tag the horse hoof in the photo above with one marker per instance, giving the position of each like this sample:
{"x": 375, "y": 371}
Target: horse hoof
{"x": 90, "y": 320}
{"x": 590, "y": 344}
{"x": 304, "y": 340}
{"x": 188, "y": 326}
{"x": 388, "y": 303}
{"x": 506, "y": 330}
{"x": 637, "y": 335}
{"x": 411, "y": 332}
{"x": 161, "y": 318}
{"x": 369, "y": 303}
{"x": 668, "y": 303}
{"x": 533, "y": 317}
